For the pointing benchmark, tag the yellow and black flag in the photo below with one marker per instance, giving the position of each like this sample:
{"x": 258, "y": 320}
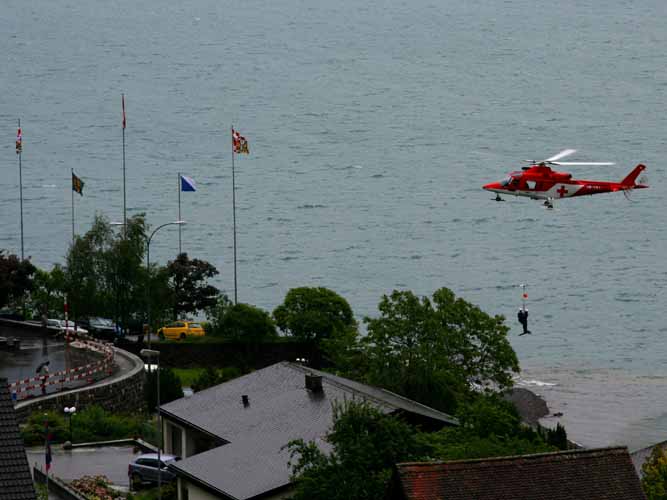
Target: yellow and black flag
{"x": 77, "y": 184}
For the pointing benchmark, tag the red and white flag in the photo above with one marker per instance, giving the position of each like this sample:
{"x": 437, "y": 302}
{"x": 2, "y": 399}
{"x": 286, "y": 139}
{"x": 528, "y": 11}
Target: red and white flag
{"x": 19, "y": 142}
{"x": 239, "y": 143}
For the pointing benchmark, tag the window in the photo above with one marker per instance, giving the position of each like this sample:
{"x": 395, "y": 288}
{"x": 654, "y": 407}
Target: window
{"x": 176, "y": 440}
{"x": 195, "y": 325}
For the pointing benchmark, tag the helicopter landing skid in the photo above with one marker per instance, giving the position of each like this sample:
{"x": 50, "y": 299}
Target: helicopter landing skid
{"x": 549, "y": 203}
{"x": 498, "y": 198}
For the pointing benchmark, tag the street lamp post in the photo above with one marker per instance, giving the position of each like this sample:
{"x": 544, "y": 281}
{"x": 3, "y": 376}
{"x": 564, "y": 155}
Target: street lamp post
{"x": 70, "y": 411}
{"x": 148, "y": 298}
{"x": 148, "y": 268}
{"x": 150, "y": 353}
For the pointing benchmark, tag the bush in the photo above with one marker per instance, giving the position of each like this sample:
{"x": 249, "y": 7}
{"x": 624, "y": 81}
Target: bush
{"x": 34, "y": 432}
{"x": 170, "y": 388}
{"x": 168, "y": 493}
{"x": 95, "y": 424}
{"x": 212, "y": 376}
{"x": 97, "y": 487}
{"x": 91, "y": 424}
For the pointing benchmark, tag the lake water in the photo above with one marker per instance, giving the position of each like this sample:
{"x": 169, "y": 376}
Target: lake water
{"x": 371, "y": 128}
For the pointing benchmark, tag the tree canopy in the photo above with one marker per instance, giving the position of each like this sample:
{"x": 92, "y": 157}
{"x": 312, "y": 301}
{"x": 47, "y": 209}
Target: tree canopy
{"x": 313, "y": 313}
{"x": 654, "y": 478}
{"x": 247, "y": 322}
{"x": 189, "y": 282}
{"x": 434, "y": 350}
{"x": 105, "y": 273}
{"x": 48, "y": 295}
{"x": 366, "y": 445}
{"x": 16, "y": 278}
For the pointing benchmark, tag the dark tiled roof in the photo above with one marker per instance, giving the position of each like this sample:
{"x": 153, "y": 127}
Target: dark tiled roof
{"x": 281, "y": 409}
{"x": 15, "y": 478}
{"x": 598, "y": 474}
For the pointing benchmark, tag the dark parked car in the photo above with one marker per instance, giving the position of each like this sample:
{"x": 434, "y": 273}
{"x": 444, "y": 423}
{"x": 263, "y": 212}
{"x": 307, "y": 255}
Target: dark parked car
{"x": 143, "y": 469}
{"x": 9, "y": 314}
{"x": 101, "y": 328}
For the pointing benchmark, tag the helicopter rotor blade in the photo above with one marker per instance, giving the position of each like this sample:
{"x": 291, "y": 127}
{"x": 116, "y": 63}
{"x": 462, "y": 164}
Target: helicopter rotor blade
{"x": 562, "y": 154}
{"x": 571, "y": 163}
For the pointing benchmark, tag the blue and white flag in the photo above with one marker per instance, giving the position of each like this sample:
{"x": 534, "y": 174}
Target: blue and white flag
{"x": 188, "y": 183}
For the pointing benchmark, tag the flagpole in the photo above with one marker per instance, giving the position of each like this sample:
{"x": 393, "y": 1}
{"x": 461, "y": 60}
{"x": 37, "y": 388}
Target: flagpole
{"x": 47, "y": 453}
{"x": 179, "y": 213}
{"x": 72, "y": 190}
{"x": 21, "y": 190}
{"x": 234, "y": 217}
{"x": 124, "y": 192}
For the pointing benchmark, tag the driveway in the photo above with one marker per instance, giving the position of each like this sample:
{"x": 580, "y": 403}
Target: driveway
{"x": 110, "y": 461}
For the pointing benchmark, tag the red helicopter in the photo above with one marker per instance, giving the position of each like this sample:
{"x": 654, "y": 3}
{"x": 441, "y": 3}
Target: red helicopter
{"x": 539, "y": 182}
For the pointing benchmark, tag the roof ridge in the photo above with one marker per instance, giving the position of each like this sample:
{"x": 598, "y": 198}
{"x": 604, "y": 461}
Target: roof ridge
{"x": 337, "y": 383}
{"x": 610, "y": 450}
{"x": 327, "y": 375}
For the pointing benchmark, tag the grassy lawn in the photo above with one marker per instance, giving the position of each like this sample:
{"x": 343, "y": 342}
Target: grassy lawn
{"x": 188, "y": 375}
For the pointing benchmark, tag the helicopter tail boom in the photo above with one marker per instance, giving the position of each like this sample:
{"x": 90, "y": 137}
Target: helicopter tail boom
{"x": 629, "y": 181}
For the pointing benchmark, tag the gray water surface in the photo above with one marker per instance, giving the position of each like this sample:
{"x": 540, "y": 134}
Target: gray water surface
{"x": 371, "y": 128}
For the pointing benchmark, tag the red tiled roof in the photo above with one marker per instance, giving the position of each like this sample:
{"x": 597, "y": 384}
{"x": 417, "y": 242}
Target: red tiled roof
{"x": 597, "y": 474}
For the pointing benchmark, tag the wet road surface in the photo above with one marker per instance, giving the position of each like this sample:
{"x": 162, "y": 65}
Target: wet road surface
{"x": 110, "y": 461}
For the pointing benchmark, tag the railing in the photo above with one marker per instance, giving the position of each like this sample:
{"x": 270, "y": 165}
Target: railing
{"x": 21, "y": 388}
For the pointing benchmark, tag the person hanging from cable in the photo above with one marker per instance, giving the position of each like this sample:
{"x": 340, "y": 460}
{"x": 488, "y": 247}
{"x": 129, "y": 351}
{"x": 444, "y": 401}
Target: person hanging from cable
{"x": 522, "y": 315}
{"x": 523, "y": 319}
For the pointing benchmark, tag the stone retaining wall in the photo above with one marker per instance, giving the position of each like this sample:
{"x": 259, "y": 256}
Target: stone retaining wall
{"x": 123, "y": 393}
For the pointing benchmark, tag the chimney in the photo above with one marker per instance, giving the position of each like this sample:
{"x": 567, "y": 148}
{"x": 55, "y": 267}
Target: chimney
{"x": 245, "y": 400}
{"x": 313, "y": 382}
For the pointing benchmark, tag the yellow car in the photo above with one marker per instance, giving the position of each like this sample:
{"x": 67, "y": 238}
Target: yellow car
{"x": 179, "y": 330}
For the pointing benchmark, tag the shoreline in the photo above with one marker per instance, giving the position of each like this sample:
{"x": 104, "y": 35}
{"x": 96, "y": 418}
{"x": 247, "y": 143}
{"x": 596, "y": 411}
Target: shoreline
{"x": 531, "y": 406}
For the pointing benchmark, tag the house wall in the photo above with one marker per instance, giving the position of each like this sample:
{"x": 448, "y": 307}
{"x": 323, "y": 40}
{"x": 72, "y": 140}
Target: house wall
{"x": 171, "y": 433}
{"x": 194, "y": 492}
{"x": 192, "y": 440}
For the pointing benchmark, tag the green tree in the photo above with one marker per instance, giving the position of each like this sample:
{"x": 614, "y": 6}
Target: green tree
{"x": 16, "y": 279}
{"x": 366, "y": 445}
{"x": 435, "y": 351}
{"x": 248, "y": 323}
{"x": 489, "y": 427}
{"x": 313, "y": 313}
{"x": 189, "y": 282}
{"x": 170, "y": 388}
{"x": 105, "y": 272}
{"x": 47, "y": 298}
{"x": 213, "y": 376}
{"x": 654, "y": 475}
{"x": 217, "y": 312}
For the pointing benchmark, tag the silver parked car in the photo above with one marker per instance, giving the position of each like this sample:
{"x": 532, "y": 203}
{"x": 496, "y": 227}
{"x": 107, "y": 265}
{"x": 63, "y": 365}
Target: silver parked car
{"x": 59, "y": 326}
{"x": 143, "y": 469}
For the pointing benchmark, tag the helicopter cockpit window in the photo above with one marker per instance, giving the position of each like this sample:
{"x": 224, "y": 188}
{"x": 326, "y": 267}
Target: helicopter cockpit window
{"x": 505, "y": 181}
